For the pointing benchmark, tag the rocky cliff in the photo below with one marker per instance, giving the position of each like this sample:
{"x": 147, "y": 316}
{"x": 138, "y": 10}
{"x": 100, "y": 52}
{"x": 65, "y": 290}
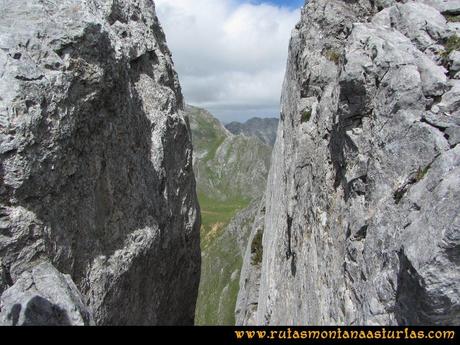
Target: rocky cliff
{"x": 96, "y": 180}
{"x": 362, "y": 220}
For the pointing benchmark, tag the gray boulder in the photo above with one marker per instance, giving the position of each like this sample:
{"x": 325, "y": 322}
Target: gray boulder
{"x": 444, "y": 6}
{"x": 454, "y": 60}
{"x": 41, "y": 297}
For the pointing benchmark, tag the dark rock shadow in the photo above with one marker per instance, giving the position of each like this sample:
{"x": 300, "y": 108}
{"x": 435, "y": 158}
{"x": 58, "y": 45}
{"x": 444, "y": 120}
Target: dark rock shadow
{"x": 15, "y": 313}
{"x": 409, "y": 294}
{"x": 40, "y": 312}
{"x": 415, "y": 305}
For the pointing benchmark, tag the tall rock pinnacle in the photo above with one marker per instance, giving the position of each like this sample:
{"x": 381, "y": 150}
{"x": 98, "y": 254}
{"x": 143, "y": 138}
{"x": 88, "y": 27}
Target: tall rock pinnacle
{"x": 96, "y": 172}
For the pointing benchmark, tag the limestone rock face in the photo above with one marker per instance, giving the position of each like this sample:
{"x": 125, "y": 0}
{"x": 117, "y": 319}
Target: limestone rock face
{"x": 362, "y": 221}
{"x": 247, "y": 302}
{"x": 96, "y": 169}
{"x": 43, "y": 296}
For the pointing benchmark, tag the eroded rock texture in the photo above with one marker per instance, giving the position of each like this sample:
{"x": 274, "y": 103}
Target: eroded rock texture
{"x": 96, "y": 158}
{"x": 362, "y": 220}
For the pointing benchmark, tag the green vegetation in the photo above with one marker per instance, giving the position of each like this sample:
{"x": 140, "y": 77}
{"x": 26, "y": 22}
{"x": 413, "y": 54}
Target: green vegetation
{"x": 219, "y": 285}
{"x": 306, "y": 116}
{"x": 221, "y": 262}
{"x": 399, "y": 194}
{"x": 452, "y": 43}
{"x": 452, "y": 18}
{"x": 215, "y": 215}
{"x": 228, "y": 173}
{"x": 257, "y": 249}
{"x": 221, "y": 159}
{"x": 421, "y": 173}
{"x": 207, "y": 134}
{"x": 332, "y": 55}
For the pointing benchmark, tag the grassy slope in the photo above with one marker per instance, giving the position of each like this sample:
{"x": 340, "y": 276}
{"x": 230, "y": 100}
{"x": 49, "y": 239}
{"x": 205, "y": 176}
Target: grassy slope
{"x": 218, "y": 291}
{"x": 221, "y": 258}
{"x": 221, "y": 268}
{"x": 215, "y": 215}
{"x": 207, "y": 133}
{"x": 221, "y": 261}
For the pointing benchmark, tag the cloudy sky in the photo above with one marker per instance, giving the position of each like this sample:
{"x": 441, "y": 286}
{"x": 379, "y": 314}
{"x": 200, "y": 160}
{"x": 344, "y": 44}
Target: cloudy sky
{"x": 230, "y": 54}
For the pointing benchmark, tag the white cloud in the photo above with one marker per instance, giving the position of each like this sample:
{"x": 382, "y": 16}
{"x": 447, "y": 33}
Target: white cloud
{"x": 230, "y": 56}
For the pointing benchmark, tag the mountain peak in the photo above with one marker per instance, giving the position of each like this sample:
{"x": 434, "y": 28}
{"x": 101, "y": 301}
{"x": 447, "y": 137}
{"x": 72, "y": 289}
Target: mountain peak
{"x": 263, "y": 128}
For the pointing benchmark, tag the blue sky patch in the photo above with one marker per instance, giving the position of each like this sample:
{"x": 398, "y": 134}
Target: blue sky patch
{"x": 283, "y": 3}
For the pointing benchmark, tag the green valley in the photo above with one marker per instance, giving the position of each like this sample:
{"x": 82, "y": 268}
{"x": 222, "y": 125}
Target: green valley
{"x": 231, "y": 173}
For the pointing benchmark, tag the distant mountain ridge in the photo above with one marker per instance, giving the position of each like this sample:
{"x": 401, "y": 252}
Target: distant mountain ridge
{"x": 262, "y": 128}
{"x": 227, "y": 167}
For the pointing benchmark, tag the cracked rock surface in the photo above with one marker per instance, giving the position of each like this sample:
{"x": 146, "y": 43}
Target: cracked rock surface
{"x": 362, "y": 220}
{"x": 96, "y": 169}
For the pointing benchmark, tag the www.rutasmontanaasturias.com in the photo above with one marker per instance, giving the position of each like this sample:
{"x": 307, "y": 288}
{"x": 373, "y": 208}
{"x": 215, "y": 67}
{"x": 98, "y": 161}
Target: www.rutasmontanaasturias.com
{"x": 339, "y": 333}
